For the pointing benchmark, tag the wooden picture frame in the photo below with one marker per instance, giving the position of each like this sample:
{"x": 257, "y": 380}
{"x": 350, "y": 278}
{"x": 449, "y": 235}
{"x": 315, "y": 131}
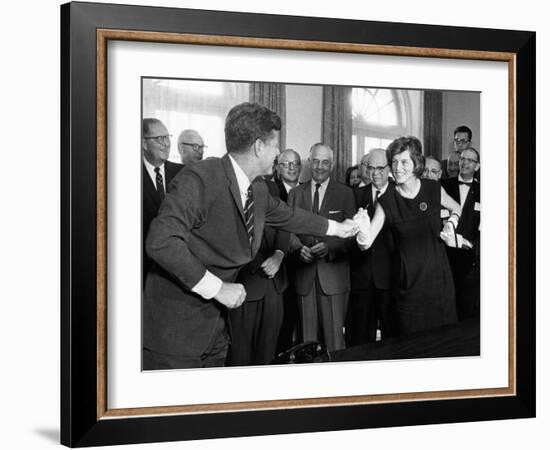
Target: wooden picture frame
{"x": 86, "y": 418}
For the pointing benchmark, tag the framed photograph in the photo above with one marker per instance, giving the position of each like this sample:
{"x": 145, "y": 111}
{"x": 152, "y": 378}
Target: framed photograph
{"x": 174, "y": 82}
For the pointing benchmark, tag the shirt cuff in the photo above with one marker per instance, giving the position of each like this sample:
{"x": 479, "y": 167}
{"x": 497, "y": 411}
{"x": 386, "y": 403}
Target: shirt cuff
{"x": 281, "y": 252}
{"x": 208, "y": 286}
{"x": 331, "y": 230}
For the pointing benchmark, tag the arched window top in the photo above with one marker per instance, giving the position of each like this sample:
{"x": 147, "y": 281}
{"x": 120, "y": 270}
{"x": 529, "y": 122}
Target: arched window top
{"x": 378, "y": 107}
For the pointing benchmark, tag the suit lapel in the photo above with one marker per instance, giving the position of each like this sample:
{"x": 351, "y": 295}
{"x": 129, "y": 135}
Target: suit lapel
{"x": 149, "y": 188}
{"x": 260, "y": 192}
{"x": 233, "y": 185}
{"x": 323, "y": 210}
{"x": 307, "y": 196}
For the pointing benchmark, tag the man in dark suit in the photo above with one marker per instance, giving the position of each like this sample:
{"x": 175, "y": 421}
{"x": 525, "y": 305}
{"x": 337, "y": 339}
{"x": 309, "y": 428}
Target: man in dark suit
{"x": 157, "y": 173}
{"x": 464, "y": 259}
{"x": 209, "y": 226}
{"x": 370, "y": 297}
{"x": 322, "y": 271}
{"x": 255, "y": 325}
{"x": 289, "y": 167}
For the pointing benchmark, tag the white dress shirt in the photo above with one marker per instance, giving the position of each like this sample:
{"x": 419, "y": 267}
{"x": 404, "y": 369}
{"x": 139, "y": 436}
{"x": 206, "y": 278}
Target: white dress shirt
{"x": 322, "y": 191}
{"x": 151, "y": 171}
{"x": 464, "y": 189}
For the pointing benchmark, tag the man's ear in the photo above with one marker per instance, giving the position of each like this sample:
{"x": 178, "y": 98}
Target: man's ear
{"x": 258, "y": 146}
{"x": 143, "y": 144}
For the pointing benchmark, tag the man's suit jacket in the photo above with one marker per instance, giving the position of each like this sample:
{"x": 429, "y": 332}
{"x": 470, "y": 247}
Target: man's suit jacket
{"x": 201, "y": 226}
{"x": 468, "y": 225}
{"x": 252, "y": 275}
{"x": 150, "y": 201}
{"x": 338, "y": 204}
{"x": 373, "y": 265}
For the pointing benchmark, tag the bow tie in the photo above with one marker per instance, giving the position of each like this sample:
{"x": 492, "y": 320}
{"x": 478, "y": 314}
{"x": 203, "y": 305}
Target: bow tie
{"x": 467, "y": 183}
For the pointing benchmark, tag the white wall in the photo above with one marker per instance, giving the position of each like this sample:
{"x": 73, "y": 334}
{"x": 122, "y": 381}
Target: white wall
{"x": 29, "y": 323}
{"x": 460, "y": 108}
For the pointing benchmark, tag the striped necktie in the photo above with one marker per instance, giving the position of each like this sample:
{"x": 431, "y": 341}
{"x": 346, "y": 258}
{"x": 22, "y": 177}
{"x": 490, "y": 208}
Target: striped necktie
{"x": 249, "y": 214}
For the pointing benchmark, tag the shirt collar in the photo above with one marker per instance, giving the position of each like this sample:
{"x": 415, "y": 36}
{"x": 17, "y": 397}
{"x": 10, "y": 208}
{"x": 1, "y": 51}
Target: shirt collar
{"x": 382, "y": 190}
{"x": 463, "y": 180}
{"x": 324, "y": 184}
{"x": 242, "y": 179}
{"x": 150, "y": 166}
{"x": 287, "y": 186}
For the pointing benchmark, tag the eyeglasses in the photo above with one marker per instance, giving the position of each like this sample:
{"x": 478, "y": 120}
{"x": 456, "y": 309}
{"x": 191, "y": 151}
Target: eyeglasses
{"x": 461, "y": 141}
{"x": 468, "y": 160}
{"x": 160, "y": 139}
{"x": 195, "y": 147}
{"x": 374, "y": 169}
{"x": 290, "y": 164}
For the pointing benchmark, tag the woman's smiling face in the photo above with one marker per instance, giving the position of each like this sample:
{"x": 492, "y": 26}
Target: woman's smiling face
{"x": 402, "y": 167}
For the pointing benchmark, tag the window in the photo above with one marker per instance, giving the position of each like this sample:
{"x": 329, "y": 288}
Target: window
{"x": 198, "y": 105}
{"x": 380, "y": 116}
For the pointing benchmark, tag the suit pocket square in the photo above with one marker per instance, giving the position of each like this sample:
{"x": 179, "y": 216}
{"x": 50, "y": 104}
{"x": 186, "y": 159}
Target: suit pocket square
{"x": 334, "y": 212}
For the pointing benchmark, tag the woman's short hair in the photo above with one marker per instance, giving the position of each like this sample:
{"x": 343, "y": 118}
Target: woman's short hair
{"x": 413, "y": 145}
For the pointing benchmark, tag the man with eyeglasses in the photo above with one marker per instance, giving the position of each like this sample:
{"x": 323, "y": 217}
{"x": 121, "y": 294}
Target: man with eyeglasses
{"x": 289, "y": 167}
{"x": 462, "y": 138}
{"x": 156, "y": 176}
{"x": 190, "y": 147}
{"x": 464, "y": 260}
{"x": 364, "y": 171}
{"x": 210, "y": 226}
{"x": 321, "y": 278}
{"x": 432, "y": 168}
{"x": 370, "y": 298}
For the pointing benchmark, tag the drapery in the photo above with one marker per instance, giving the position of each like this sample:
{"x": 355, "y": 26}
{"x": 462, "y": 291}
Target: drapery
{"x": 337, "y": 127}
{"x": 433, "y": 126}
{"x": 272, "y": 96}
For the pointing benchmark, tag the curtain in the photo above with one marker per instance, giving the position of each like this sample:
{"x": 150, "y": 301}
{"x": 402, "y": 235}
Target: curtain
{"x": 433, "y": 124}
{"x": 272, "y": 96}
{"x": 337, "y": 127}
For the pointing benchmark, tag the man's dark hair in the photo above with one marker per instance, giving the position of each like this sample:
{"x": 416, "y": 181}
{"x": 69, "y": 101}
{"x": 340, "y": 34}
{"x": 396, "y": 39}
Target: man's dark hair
{"x": 413, "y": 145}
{"x": 464, "y": 129}
{"x": 147, "y": 123}
{"x": 247, "y": 122}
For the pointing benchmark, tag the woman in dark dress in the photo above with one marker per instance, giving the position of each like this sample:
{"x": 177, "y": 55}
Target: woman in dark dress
{"x": 424, "y": 287}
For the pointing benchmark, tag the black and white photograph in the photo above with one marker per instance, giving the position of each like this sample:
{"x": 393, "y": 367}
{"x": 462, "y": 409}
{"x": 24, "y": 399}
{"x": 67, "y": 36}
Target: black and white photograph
{"x": 292, "y": 223}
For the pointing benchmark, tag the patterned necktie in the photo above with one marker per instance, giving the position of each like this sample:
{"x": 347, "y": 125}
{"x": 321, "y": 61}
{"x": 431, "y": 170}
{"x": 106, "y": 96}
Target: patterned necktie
{"x": 249, "y": 214}
{"x": 160, "y": 183}
{"x": 315, "y": 208}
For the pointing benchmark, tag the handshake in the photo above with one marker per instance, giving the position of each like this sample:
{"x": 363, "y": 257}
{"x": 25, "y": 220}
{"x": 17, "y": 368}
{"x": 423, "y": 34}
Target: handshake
{"x": 359, "y": 225}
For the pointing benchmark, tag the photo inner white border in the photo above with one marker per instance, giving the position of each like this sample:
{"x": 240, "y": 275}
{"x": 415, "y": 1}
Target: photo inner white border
{"x": 128, "y": 387}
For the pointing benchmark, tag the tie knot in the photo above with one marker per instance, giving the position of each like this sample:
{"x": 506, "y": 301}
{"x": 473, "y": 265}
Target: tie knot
{"x": 317, "y": 186}
{"x": 157, "y": 169}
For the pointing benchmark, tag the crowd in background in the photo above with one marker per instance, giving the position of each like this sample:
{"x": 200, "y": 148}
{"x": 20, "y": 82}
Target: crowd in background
{"x": 411, "y": 266}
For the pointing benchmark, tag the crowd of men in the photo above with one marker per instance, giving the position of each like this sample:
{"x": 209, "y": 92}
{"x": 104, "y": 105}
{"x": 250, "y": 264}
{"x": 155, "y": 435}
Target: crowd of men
{"x": 235, "y": 272}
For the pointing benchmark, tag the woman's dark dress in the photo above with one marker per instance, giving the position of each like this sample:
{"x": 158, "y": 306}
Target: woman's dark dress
{"x": 425, "y": 295}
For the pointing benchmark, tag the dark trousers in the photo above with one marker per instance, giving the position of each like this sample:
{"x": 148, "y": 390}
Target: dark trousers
{"x": 255, "y": 327}
{"x": 290, "y": 328}
{"x": 367, "y": 307}
{"x": 466, "y": 279}
{"x": 214, "y": 355}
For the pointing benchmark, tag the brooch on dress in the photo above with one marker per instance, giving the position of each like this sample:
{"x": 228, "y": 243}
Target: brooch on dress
{"x": 423, "y": 206}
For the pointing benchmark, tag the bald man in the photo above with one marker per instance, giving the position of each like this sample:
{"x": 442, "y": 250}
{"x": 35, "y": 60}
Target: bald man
{"x": 190, "y": 147}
